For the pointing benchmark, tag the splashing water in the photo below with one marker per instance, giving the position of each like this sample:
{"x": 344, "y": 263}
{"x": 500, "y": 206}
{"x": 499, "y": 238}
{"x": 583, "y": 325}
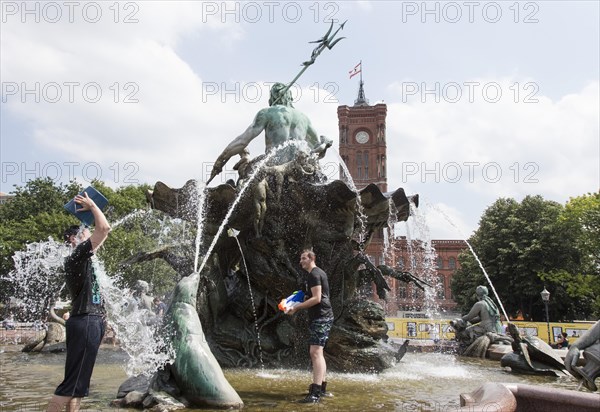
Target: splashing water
{"x": 137, "y": 328}
{"x": 362, "y": 218}
{"x": 445, "y": 216}
{"x": 245, "y": 186}
{"x": 389, "y": 247}
{"x": 260, "y": 353}
{"x": 38, "y": 277}
{"x": 201, "y": 199}
{"x": 412, "y": 265}
{"x": 428, "y": 259}
{"x": 257, "y": 169}
{"x": 135, "y": 214}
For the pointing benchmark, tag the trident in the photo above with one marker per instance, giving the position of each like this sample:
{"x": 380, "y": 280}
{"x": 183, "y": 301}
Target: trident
{"x": 324, "y": 42}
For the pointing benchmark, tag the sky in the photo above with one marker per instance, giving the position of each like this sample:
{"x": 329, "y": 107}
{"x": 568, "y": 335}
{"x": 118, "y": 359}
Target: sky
{"x": 485, "y": 99}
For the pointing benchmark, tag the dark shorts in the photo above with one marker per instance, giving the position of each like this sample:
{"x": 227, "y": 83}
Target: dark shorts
{"x": 84, "y": 335}
{"x": 319, "y": 331}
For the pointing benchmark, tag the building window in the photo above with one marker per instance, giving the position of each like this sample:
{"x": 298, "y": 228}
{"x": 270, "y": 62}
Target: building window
{"x": 366, "y": 165}
{"x": 382, "y": 165}
{"x": 344, "y": 167}
{"x": 416, "y": 293}
{"x": 344, "y": 134}
{"x": 441, "y": 288}
{"x": 401, "y": 291}
{"x": 401, "y": 263}
{"x": 440, "y": 263}
{"x": 452, "y": 263}
{"x": 359, "y": 165}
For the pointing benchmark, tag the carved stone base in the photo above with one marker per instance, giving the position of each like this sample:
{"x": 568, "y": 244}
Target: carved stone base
{"x": 591, "y": 370}
{"x": 527, "y": 398}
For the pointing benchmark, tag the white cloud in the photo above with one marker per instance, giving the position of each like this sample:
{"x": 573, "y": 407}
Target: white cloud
{"x": 176, "y": 126}
{"x": 169, "y": 122}
{"x": 364, "y": 5}
{"x": 533, "y": 145}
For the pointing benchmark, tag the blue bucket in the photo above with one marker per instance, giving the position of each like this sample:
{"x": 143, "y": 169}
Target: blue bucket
{"x": 86, "y": 216}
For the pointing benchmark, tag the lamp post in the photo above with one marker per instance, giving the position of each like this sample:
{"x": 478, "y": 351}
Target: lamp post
{"x": 546, "y": 297}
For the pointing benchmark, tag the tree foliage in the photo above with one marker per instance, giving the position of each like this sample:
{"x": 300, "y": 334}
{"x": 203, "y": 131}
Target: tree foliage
{"x": 581, "y": 216}
{"x": 36, "y": 213}
{"x": 32, "y": 215}
{"x": 524, "y": 247}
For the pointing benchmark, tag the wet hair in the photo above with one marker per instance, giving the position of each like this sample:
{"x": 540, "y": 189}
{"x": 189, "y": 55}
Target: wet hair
{"x": 309, "y": 253}
{"x": 70, "y": 231}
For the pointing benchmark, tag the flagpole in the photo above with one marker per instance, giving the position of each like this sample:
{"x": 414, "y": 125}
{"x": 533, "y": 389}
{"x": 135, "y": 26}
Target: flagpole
{"x": 361, "y": 70}
{"x": 361, "y": 99}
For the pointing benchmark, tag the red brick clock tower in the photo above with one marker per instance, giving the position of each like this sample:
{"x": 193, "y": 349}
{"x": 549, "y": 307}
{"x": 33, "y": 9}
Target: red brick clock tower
{"x": 363, "y": 149}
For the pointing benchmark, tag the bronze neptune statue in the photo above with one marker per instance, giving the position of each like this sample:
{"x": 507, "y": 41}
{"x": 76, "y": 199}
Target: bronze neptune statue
{"x": 281, "y": 204}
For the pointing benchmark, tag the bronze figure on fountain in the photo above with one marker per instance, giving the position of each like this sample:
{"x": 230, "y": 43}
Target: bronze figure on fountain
{"x": 481, "y": 327}
{"x": 281, "y": 123}
{"x": 288, "y": 206}
{"x": 281, "y": 204}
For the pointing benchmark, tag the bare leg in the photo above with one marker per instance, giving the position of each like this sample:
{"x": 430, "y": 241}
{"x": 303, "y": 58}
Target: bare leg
{"x": 57, "y": 403}
{"x": 323, "y": 379}
{"x": 74, "y": 405}
{"x": 318, "y": 363}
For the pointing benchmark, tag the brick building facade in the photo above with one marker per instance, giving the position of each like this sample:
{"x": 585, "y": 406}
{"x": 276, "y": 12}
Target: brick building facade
{"x": 363, "y": 148}
{"x": 405, "y": 297}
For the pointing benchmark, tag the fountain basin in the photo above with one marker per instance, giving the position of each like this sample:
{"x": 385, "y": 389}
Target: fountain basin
{"x": 517, "y": 397}
{"x": 421, "y": 381}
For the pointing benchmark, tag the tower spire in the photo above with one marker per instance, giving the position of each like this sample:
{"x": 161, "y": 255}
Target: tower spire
{"x": 361, "y": 100}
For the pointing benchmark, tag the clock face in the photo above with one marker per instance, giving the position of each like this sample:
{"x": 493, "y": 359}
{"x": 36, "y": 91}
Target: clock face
{"x": 362, "y": 137}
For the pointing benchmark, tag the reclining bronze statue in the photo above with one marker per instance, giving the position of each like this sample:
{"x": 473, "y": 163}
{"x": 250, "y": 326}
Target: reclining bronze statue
{"x": 479, "y": 328}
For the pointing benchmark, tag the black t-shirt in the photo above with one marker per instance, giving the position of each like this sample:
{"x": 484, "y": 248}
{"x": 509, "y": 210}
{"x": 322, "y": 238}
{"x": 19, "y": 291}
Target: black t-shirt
{"x": 322, "y": 310}
{"x": 82, "y": 282}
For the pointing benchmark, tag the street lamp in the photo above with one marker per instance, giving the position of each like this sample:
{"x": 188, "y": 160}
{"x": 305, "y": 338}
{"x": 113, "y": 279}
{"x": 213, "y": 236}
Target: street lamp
{"x": 546, "y": 297}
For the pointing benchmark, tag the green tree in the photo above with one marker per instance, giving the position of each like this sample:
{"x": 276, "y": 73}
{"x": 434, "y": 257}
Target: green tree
{"x": 33, "y": 214}
{"x": 37, "y": 196}
{"x": 517, "y": 244}
{"x": 581, "y": 216}
{"x": 36, "y": 213}
{"x": 135, "y": 229}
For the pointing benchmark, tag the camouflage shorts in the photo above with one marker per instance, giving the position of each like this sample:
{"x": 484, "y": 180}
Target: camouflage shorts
{"x": 319, "y": 331}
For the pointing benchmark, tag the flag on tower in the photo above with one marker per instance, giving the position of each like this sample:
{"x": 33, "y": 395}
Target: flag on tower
{"x": 357, "y": 69}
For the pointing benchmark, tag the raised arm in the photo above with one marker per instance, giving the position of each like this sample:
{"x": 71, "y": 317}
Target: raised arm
{"x": 102, "y": 226}
{"x": 239, "y": 143}
{"x": 318, "y": 144}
